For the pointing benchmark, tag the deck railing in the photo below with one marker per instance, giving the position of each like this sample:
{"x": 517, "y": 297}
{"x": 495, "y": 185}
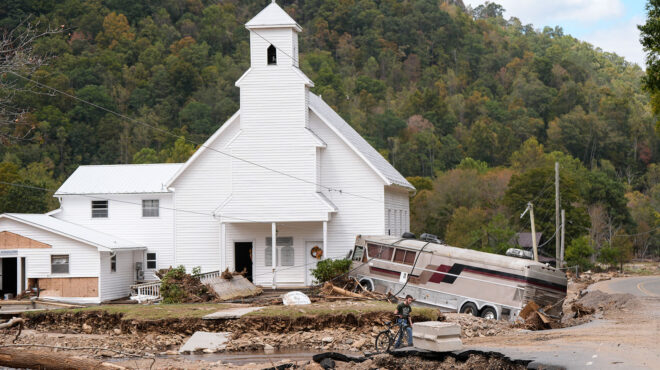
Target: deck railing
{"x": 146, "y": 291}
{"x": 208, "y": 275}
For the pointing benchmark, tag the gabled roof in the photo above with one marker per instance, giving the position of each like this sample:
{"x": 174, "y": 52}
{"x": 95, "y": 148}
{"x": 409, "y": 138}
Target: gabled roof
{"x": 272, "y": 16}
{"x": 376, "y": 161}
{"x": 77, "y": 232}
{"x": 119, "y": 179}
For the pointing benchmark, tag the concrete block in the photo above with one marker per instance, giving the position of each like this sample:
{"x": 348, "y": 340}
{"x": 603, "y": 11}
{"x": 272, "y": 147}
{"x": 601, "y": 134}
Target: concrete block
{"x": 204, "y": 341}
{"x": 437, "y": 336}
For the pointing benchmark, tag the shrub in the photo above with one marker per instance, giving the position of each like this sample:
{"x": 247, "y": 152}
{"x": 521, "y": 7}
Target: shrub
{"x": 579, "y": 253}
{"x": 329, "y": 269}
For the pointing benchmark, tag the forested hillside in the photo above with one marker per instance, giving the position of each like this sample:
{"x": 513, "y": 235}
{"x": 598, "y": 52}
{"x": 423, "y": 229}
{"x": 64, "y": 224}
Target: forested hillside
{"x": 474, "y": 108}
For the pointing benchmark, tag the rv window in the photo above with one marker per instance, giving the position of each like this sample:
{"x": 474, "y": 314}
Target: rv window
{"x": 357, "y": 255}
{"x": 379, "y": 251}
{"x": 404, "y": 256}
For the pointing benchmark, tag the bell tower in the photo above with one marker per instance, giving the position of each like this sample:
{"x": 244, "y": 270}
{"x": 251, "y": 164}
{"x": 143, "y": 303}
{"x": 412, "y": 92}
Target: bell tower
{"x": 273, "y": 38}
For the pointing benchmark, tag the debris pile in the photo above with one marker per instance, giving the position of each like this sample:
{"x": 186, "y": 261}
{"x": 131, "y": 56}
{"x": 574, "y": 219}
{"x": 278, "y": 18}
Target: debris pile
{"x": 177, "y": 286}
{"x": 537, "y": 318}
{"x": 474, "y": 327}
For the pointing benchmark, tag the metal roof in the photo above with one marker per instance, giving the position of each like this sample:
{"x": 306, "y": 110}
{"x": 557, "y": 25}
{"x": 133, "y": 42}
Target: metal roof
{"x": 119, "y": 179}
{"x": 364, "y": 149}
{"x": 74, "y": 231}
{"x": 272, "y": 16}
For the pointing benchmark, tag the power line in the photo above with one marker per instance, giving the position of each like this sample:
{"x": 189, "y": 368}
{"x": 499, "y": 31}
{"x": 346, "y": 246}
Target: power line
{"x": 167, "y": 132}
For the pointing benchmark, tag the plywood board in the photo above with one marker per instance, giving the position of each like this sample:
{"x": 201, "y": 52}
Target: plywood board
{"x": 69, "y": 287}
{"x": 9, "y": 240}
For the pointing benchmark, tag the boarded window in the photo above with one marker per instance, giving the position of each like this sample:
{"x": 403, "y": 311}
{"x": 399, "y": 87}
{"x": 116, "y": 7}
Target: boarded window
{"x": 99, "y": 209}
{"x": 113, "y": 263}
{"x": 404, "y": 256}
{"x": 151, "y": 260}
{"x": 59, "y": 264}
{"x": 380, "y": 251}
{"x": 150, "y": 207}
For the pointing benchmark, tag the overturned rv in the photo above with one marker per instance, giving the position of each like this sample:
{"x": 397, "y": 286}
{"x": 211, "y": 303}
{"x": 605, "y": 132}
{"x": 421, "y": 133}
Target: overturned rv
{"x": 455, "y": 279}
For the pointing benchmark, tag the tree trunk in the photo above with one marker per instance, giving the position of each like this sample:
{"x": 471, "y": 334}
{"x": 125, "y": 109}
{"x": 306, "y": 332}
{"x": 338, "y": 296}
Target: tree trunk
{"x": 25, "y": 359}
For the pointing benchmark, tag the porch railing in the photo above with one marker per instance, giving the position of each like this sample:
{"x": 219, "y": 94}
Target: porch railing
{"x": 146, "y": 291}
{"x": 208, "y": 275}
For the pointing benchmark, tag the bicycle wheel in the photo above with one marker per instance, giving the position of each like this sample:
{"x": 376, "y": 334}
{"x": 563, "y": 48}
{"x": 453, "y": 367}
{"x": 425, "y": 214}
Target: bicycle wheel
{"x": 383, "y": 341}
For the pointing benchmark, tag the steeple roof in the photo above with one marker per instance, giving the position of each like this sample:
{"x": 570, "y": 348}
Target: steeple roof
{"x": 272, "y": 16}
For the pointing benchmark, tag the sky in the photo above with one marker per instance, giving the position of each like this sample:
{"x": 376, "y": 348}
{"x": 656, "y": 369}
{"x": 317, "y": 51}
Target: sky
{"x": 608, "y": 24}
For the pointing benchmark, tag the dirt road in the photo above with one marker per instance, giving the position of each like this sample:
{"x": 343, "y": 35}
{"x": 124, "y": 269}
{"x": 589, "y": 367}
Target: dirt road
{"x": 616, "y": 339}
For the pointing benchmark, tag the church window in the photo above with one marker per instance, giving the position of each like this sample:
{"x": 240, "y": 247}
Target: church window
{"x": 272, "y": 55}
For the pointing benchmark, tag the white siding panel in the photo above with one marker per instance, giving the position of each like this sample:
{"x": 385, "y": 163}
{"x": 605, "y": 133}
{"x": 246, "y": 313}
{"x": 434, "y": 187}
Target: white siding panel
{"x": 396, "y": 211}
{"x": 199, "y": 191}
{"x": 115, "y": 285}
{"x": 360, "y": 205}
{"x": 125, "y": 220}
{"x": 83, "y": 259}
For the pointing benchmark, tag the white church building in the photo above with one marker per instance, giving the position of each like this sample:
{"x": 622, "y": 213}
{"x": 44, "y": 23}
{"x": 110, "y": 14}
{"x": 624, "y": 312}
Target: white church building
{"x": 285, "y": 168}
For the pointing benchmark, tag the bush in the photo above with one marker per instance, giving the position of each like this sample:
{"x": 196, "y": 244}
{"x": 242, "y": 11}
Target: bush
{"x": 579, "y": 253}
{"x": 329, "y": 269}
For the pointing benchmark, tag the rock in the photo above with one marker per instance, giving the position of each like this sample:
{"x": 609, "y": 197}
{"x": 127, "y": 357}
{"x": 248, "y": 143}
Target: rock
{"x": 327, "y": 363}
{"x": 268, "y": 348}
{"x": 348, "y": 341}
{"x": 328, "y": 340}
{"x": 313, "y": 366}
{"x": 208, "y": 350}
{"x": 117, "y": 331}
{"x": 86, "y": 328}
{"x": 359, "y": 343}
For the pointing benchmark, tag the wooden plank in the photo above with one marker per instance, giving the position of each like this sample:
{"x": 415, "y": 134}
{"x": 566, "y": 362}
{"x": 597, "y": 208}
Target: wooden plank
{"x": 69, "y": 287}
{"x": 9, "y": 240}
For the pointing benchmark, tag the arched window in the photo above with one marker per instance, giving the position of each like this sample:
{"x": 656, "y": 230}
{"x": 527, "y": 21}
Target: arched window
{"x": 272, "y": 55}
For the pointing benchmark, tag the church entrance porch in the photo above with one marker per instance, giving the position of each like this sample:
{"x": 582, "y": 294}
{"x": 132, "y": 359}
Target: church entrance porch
{"x": 250, "y": 246}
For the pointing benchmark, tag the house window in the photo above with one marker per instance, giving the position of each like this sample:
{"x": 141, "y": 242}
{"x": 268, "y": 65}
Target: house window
{"x": 150, "y": 207}
{"x": 286, "y": 254}
{"x": 59, "y": 264}
{"x": 151, "y": 260}
{"x": 113, "y": 263}
{"x": 272, "y": 55}
{"x": 99, "y": 209}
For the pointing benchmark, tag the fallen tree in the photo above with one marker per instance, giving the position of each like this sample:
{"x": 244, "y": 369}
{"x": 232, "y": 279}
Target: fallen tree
{"x": 26, "y": 359}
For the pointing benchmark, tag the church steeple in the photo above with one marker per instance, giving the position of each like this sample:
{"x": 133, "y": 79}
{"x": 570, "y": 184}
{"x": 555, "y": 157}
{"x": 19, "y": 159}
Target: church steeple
{"x": 273, "y": 27}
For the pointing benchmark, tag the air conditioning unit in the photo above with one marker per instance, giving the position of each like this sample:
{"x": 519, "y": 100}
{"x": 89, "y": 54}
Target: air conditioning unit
{"x": 139, "y": 271}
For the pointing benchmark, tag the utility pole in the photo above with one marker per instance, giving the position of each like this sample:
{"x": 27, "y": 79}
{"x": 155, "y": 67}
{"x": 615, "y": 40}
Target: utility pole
{"x": 557, "y": 242}
{"x": 530, "y": 208}
{"x": 563, "y": 231}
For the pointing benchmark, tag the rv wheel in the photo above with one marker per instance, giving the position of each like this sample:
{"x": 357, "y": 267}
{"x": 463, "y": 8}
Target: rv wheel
{"x": 489, "y": 313}
{"x": 367, "y": 285}
{"x": 470, "y": 308}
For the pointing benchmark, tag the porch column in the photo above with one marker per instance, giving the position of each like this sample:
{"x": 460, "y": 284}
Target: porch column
{"x": 223, "y": 247}
{"x": 325, "y": 239}
{"x": 273, "y": 249}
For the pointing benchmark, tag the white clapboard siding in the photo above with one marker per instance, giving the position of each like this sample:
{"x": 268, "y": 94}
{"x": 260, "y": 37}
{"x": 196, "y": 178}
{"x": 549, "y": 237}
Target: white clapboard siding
{"x": 115, "y": 285}
{"x": 397, "y": 211}
{"x": 83, "y": 258}
{"x": 200, "y": 190}
{"x": 342, "y": 168}
{"x": 125, "y": 220}
{"x": 284, "y": 40}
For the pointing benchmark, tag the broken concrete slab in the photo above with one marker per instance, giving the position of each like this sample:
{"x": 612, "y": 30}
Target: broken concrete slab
{"x": 205, "y": 341}
{"x": 437, "y": 336}
{"x": 236, "y": 287}
{"x": 231, "y": 313}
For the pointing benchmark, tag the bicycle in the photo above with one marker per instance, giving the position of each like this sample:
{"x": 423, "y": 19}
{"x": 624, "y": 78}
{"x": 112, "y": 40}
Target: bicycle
{"x": 386, "y": 338}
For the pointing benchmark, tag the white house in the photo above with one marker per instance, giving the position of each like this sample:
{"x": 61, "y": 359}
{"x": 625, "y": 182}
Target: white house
{"x": 285, "y": 167}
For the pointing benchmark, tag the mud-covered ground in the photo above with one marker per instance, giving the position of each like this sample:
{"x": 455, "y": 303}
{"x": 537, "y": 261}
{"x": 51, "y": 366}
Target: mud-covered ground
{"x": 352, "y": 332}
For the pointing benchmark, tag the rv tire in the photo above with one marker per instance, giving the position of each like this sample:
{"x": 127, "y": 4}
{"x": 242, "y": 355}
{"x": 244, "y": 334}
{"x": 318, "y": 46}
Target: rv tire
{"x": 367, "y": 285}
{"x": 469, "y": 308}
{"x": 489, "y": 313}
